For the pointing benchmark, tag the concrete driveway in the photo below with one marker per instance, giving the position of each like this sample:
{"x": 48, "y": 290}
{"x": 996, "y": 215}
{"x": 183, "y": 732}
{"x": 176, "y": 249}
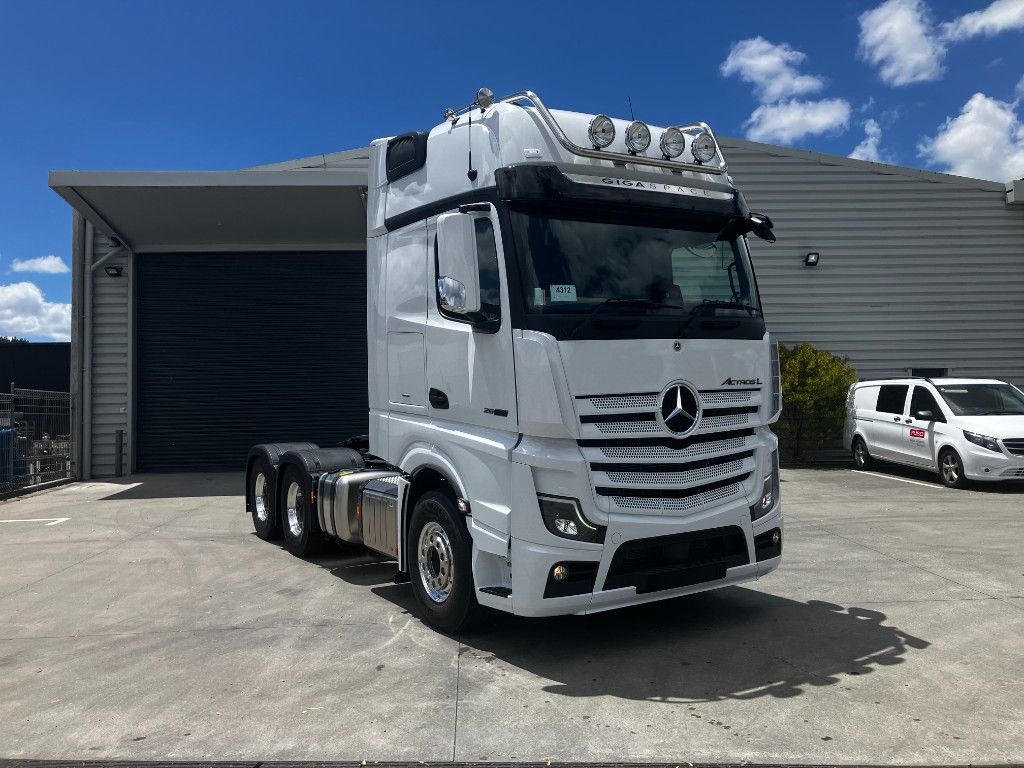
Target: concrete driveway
{"x": 152, "y": 623}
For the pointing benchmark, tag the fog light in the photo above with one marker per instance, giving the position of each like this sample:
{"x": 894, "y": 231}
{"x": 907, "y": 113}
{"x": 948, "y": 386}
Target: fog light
{"x": 601, "y": 131}
{"x": 560, "y": 573}
{"x": 672, "y": 143}
{"x": 568, "y": 527}
{"x": 776, "y": 537}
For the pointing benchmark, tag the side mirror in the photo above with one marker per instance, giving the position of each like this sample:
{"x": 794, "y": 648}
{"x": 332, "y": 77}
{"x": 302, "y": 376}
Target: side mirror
{"x": 924, "y": 416}
{"x": 458, "y": 272}
{"x": 762, "y": 227}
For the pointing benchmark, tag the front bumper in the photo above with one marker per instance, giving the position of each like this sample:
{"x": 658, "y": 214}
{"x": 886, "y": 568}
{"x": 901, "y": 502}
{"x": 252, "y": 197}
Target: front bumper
{"x": 986, "y": 465}
{"x": 532, "y": 563}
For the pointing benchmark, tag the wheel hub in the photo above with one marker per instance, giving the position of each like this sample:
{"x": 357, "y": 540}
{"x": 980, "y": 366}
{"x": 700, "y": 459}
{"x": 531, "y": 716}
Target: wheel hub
{"x": 434, "y": 555}
{"x": 295, "y": 510}
{"x": 260, "y": 498}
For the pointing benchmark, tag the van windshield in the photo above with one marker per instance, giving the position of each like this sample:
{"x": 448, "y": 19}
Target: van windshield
{"x": 983, "y": 399}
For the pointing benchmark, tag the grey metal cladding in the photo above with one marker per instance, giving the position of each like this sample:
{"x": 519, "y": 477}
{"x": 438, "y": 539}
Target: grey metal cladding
{"x": 917, "y": 269}
{"x": 110, "y": 356}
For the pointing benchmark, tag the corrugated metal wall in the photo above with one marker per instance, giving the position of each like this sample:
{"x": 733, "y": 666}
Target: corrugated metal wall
{"x": 916, "y": 270}
{"x": 108, "y": 395}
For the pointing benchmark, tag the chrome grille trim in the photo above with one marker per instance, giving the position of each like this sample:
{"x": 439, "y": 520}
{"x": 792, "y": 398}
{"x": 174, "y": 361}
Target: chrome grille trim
{"x": 1015, "y": 445}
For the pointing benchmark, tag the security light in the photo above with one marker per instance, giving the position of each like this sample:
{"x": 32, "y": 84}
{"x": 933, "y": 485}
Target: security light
{"x": 113, "y": 270}
{"x": 811, "y": 260}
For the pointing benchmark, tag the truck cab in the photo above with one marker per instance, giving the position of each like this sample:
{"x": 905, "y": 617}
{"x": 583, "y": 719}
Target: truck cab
{"x": 571, "y": 383}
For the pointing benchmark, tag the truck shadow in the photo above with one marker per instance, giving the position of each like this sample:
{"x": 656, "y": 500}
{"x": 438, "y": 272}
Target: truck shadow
{"x": 734, "y": 643}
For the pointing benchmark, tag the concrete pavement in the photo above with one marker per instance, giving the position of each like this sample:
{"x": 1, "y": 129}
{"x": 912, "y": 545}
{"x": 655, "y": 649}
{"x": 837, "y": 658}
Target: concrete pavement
{"x": 154, "y": 624}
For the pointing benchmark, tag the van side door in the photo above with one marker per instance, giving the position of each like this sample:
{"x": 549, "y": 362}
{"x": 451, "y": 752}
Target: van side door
{"x": 888, "y": 426}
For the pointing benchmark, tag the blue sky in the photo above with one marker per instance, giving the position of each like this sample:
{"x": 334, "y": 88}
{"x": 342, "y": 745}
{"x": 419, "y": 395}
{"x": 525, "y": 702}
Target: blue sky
{"x": 201, "y": 85}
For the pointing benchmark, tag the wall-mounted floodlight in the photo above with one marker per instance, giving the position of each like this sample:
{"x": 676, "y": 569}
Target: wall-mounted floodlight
{"x": 114, "y": 270}
{"x": 811, "y": 259}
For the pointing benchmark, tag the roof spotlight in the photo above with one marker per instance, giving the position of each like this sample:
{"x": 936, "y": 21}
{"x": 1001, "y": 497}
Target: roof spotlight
{"x": 638, "y": 136}
{"x": 672, "y": 143}
{"x": 601, "y": 131}
{"x": 703, "y": 147}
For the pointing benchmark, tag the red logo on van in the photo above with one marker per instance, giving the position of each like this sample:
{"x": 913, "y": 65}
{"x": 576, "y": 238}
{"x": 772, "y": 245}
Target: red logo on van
{"x": 919, "y": 433}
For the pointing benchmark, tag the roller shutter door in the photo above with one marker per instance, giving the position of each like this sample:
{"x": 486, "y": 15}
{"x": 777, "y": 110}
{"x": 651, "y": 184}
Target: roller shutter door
{"x": 238, "y": 349}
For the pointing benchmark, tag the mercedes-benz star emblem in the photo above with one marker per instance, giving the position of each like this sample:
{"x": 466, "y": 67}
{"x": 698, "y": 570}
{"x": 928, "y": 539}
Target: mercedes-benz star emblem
{"x": 680, "y": 409}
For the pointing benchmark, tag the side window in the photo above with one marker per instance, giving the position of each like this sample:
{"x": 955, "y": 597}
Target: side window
{"x": 891, "y": 398}
{"x": 490, "y": 282}
{"x": 923, "y": 400}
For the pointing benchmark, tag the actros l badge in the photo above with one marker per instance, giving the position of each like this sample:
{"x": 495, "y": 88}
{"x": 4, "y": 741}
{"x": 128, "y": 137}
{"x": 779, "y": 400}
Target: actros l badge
{"x": 680, "y": 409}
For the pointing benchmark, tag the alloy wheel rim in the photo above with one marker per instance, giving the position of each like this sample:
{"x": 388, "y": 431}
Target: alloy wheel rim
{"x": 858, "y": 454}
{"x": 294, "y": 505}
{"x": 436, "y": 567}
{"x": 950, "y": 469}
{"x": 260, "y": 497}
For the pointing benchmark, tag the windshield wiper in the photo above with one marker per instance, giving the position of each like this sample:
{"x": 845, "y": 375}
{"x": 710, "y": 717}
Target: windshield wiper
{"x": 714, "y": 304}
{"x": 642, "y": 303}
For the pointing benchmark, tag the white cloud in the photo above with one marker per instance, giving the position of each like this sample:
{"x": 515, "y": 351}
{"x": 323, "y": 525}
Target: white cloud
{"x": 898, "y": 38}
{"x": 51, "y": 265}
{"x": 985, "y": 141}
{"x": 1000, "y": 16}
{"x": 791, "y": 120}
{"x": 1019, "y": 90}
{"x": 770, "y": 68}
{"x": 869, "y": 148}
{"x": 25, "y": 312}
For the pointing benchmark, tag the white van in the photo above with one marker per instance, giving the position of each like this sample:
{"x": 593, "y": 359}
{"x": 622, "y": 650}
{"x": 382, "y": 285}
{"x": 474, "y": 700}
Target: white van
{"x": 967, "y": 429}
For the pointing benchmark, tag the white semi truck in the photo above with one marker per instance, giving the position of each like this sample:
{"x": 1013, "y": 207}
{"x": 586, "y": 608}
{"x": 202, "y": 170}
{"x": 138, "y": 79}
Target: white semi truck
{"x": 570, "y": 379}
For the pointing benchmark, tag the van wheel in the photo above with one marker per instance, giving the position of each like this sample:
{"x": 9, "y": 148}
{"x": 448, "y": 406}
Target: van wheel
{"x": 951, "y": 469}
{"x": 261, "y": 501}
{"x": 440, "y": 564}
{"x": 861, "y": 458}
{"x": 298, "y": 518}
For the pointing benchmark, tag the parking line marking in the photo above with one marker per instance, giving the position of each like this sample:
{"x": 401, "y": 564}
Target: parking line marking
{"x": 898, "y": 479}
{"x": 48, "y": 520}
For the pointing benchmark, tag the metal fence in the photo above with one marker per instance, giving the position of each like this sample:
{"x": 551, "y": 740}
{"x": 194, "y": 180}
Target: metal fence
{"x": 35, "y": 438}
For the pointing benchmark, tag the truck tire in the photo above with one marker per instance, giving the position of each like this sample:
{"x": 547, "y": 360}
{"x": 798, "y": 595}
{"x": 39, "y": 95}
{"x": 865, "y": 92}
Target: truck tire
{"x": 440, "y": 564}
{"x": 262, "y": 503}
{"x": 302, "y": 536}
{"x": 861, "y": 457}
{"x": 951, "y": 469}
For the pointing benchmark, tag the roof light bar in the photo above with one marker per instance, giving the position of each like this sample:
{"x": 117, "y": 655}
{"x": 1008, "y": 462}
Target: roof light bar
{"x": 452, "y": 115}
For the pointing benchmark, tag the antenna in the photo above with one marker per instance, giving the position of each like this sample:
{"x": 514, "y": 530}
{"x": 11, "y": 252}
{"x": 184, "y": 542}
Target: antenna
{"x": 630, "y": 107}
{"x": 471, "y": 173}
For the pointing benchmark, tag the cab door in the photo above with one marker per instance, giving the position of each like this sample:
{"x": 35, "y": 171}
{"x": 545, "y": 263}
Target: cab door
{"x": 921, "y": 433}
{"x": 470, "y": 370}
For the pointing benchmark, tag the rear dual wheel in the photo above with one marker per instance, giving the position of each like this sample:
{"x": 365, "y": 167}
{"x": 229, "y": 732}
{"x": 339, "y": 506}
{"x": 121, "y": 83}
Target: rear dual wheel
{"x": 298, "y": 515}
{"x": 261, "y": 501}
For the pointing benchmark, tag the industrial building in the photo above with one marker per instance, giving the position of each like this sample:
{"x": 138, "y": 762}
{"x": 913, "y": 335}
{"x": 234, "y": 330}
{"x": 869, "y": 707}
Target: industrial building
{"x": 202, "y": 301}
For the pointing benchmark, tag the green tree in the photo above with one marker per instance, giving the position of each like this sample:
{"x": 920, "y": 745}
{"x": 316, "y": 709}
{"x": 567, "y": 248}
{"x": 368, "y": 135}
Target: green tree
{"x": 814, "y": 388}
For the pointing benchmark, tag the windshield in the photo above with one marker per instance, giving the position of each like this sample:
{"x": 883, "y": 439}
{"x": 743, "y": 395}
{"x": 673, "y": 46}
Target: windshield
{"x": 983, "y": 399}
{"x": 573, "y": 265}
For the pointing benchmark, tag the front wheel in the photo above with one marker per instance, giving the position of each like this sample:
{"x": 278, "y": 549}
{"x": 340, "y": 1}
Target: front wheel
{"x": 951, "y": 469}
{"x": 440, "y": 564}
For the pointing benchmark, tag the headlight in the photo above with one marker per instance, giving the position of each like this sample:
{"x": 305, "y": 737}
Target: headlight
{"x": 601, "y": 131}
{"x": 672, "y": 142}
{"x": 564, "y": 518}
{"x": 985, "y": 442}
{"x": 703, "y": 148}
{"x": 769, "y": 491}
{"x": 638, "y": 136}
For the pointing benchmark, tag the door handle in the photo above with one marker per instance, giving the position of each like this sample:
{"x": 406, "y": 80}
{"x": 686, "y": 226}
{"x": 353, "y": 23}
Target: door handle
{"x": 438, "y": 399}
{"x": 897, "y": 418}
{"x": 909, "y": 421}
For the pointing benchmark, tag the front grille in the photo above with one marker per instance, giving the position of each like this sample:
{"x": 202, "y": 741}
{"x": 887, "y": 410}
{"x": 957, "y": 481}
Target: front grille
{"x": 642, "y": 469}
{"x": 1015, "y": 445}
{"x": 679, "y": 560}
{"x": 670, "y": 505}
{"x": 1013, "y": 472}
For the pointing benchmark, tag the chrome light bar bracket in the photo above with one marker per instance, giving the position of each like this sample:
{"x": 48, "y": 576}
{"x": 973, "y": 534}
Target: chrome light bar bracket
{"x": 452, "y": 115}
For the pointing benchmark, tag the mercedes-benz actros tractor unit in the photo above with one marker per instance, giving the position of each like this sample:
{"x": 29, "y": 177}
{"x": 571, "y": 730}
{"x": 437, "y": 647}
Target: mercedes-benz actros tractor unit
{"x": 570, "y": 378}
